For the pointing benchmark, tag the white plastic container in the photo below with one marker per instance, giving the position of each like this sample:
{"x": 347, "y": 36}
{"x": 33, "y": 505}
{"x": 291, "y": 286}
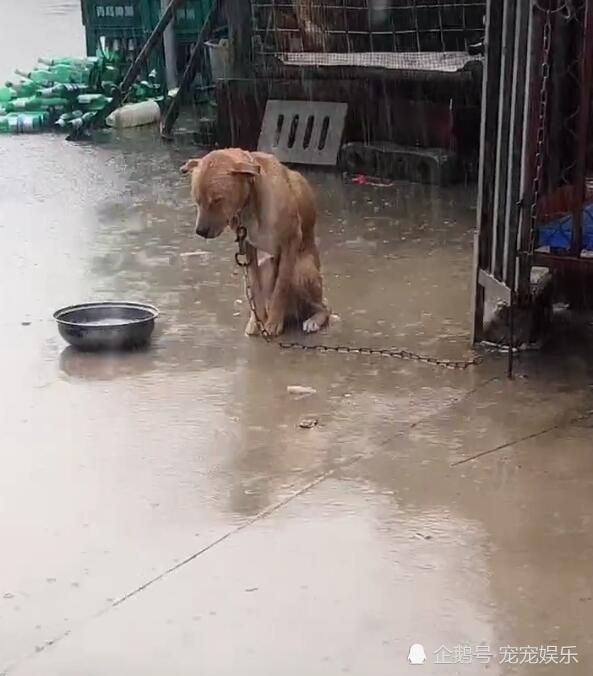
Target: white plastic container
{"x": 135, "y": 115}
{"x": 220, "y": 59}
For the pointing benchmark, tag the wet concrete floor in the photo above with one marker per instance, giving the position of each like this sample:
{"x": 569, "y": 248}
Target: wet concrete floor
{"x": 164, "y": 513}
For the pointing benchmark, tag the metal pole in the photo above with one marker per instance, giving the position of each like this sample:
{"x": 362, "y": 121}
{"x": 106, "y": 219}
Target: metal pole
{"x": 149, "y": 45}
{"x": 195, "y": 59}
{"x": 141, "y": 59}
{"x": 511, "y": 353}
{"x": 238, "y": 16}
{"x": 170, "y": 48}
{"x": 489, "y": 122}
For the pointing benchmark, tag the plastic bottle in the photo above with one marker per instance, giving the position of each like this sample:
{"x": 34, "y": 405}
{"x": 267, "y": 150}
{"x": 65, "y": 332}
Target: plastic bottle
{"x": 63, "y": 91}
{"x": 5, "y": 124}
{"x": 136, "y": 93}
{"x": 68, "y": 61}
{"x": 43, "y": 116}
{"x": 148, "y": 90}
{"x": 93, "y": 101}
{"x": 34, "y": 103}
{"x": 41, "y": 77}
{"x": 135, "y": 115}
{"x": 64, "y": 74}
{"x": 23, "y": 88}
{"x": 67, "y": 119}
{"x": 26, "y": 123}
{"x": 79, "y": 122}
{"x": 7, "y": 94}
{"x": 15, "y": 105}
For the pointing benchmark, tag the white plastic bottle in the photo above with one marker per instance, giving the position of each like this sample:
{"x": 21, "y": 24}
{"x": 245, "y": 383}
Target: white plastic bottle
{"x": 135, "y": 115}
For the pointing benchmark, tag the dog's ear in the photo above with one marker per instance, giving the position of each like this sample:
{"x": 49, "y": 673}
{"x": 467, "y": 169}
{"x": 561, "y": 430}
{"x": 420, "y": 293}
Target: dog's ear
{"x": 247, "y": 168}
{"x": 189, "y": 166}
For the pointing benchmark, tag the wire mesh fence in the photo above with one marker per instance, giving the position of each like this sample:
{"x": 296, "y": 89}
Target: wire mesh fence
{"x": 329, "y": 32}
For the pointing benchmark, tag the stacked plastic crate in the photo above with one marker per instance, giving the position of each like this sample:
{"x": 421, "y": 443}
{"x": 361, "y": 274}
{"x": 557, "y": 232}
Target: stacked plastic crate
{"x": 189, "y": 19}
{"x": 121, "y": 27}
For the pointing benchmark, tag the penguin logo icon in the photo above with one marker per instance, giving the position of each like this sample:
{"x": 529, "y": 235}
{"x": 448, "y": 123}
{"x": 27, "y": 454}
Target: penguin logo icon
{"x": 417, "y": 655}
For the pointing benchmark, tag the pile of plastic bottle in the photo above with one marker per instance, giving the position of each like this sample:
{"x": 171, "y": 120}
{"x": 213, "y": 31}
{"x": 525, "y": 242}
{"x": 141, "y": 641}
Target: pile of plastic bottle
{"x": 67, "y": 93}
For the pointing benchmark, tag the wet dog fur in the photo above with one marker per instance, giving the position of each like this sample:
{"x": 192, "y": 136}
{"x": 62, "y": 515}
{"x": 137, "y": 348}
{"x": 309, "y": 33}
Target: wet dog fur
{"x": 234, "y": 187}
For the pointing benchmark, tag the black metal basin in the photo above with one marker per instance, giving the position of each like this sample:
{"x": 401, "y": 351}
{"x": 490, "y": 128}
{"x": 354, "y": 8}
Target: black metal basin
{"x": 107, "y": 326}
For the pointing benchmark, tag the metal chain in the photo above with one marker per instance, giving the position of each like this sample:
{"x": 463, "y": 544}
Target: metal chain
{"x": 243, "y": 262}
{"x": 265, "y": 334}
{"x": 541, "y": 128}
{"x": 566, "y": 8}
{"x": 569, "y": 10}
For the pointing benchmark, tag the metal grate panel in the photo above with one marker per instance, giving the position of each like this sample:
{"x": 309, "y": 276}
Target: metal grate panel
{"x": 303, "y": 132}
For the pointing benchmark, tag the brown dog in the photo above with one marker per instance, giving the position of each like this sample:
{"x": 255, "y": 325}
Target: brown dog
{"x": 276, "y": 205}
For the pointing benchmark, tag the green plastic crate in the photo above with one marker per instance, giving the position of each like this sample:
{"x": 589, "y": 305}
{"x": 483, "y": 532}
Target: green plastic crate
{"x": 128, "y": 42}
{"x": 120, "y": 14}
{"x": 143, "y": 15}
{"x": 132, "y": 22}
{"x": 190, "y": 18}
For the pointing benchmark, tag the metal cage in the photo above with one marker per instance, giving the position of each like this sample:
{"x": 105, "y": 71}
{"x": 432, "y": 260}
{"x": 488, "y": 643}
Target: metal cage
{"x": 535, "y": 209}
{"x": 368, "y": 25}
{"x": 418, "y": 34}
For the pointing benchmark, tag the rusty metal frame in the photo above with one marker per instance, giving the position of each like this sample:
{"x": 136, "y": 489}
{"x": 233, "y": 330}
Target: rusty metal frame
{"x": 506, "y": 240}
{"x": 504, "y": 155}
{"x": 581, "y": 34}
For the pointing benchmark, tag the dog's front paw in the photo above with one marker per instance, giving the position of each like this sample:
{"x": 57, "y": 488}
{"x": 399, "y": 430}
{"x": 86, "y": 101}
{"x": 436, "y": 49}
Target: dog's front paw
{"x": 274, "y": 327}
{"x": 311, "y": 325}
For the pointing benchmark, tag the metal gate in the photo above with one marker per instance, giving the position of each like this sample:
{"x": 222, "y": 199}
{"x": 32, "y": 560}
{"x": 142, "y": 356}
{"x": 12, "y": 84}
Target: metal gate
{"x": 503, "y": 151}
{"x": 536, "y": 155}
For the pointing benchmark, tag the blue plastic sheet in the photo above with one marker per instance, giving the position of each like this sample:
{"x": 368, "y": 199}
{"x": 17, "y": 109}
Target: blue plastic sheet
{"x": 557, "y": 233}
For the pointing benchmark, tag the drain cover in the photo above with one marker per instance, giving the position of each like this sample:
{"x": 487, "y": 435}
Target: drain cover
{"x": 303, "y": 132}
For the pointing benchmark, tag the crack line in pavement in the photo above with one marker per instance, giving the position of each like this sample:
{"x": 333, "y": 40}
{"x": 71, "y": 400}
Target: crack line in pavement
{"x": 455, "y": 401}
{"x": 258, "y": 517}
{"x": 527, "y": 437}
{"x": 278, "y": 505}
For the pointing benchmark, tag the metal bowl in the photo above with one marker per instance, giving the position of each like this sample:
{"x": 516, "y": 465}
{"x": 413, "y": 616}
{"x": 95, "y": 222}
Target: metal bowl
{"x": 107, "y": 326}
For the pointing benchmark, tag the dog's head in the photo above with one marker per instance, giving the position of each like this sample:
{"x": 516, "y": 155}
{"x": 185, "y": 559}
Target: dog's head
{"x": 221, "y": 185}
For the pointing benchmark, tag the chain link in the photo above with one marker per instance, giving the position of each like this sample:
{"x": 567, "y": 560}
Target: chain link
{"x": 566, "y": 9}
{"x": 456, "y": 365}
{"x": 265, "y": 334}
{"x": 541, "y": 128}
{"x": 459, "y": 365}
